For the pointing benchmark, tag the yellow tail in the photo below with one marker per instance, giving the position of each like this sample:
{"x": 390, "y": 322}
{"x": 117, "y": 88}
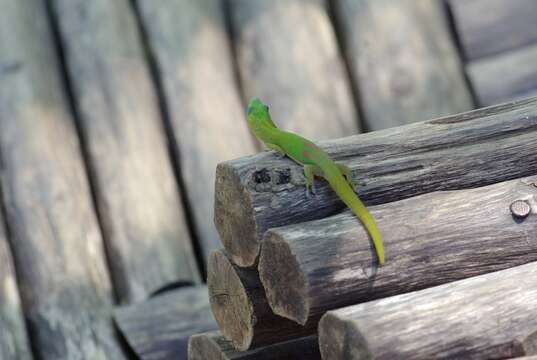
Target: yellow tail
{"x": 349, "y": 197}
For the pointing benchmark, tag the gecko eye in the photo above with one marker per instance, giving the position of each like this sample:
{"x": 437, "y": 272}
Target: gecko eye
{"x": 266, "y": 108}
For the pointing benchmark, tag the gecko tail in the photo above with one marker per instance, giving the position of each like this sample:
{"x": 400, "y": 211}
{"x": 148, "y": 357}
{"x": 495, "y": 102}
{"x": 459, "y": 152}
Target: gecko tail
{"x": 350, "y": 198}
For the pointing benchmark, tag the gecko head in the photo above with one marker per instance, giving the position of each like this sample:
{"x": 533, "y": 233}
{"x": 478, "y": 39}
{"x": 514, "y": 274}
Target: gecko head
{"x": 258, "y": 114}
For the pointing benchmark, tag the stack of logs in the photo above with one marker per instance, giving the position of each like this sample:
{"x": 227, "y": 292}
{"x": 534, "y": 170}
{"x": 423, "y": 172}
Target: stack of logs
{"x": 456, "y": 203}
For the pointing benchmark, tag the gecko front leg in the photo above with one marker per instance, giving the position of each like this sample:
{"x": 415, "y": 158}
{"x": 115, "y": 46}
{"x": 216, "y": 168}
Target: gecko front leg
{"x": 310, "y": 171}
{"x": 279, "y": 150}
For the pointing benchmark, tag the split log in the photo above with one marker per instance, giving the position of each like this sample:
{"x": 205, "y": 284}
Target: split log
{"x": 193, "y": 64}
{"x": 489, "y": 27}
{"x": 213, "y": 346}
{"x": 159, "y": 328}
{"x": 136, "y": 191}
{"x": 288, "y": 56}
{"x": 472, "y": 149}
{"x": 14, "y": 343}
{"x": 240, "y": 307}
{"x": 485, "y": 317}
{"x": 504, "y": 77}
{"x": 309, "y": 268}
{"x": 403, "y": 60}
{"x": 56, "y": 241}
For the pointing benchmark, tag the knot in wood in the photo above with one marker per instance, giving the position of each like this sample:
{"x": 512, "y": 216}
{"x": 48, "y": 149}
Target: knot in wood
{"x": 520, "y": 208}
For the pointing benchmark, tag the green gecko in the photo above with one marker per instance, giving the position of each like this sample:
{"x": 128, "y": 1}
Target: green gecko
{"x": 316, "y": 162}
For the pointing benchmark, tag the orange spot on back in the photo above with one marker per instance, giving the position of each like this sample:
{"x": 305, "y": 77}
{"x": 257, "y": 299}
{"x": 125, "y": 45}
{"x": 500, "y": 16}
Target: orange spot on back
{"x": 306, "y": 154}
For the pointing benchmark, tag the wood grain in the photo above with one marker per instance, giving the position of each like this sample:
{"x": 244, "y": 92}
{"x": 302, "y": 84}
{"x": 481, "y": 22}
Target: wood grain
{"x": 309, "y": 268}
{"x": 137, "y": 196}
{"x": 56, "y": 242}
{"x": 192, "y": 54}
{"x": 256, "y": 193}
{"x": 240, "y": 307}
{"x": 159, "y": 328}
{"x": 14, "y": 343}
{"x": 213, "y": 346}
{"x": 288, "y": 56}
{"x": 486, "y": 317}
{"x": 490, "y": 27}
{"x": 403, "y": 60}
{"x": 504, "y": 77}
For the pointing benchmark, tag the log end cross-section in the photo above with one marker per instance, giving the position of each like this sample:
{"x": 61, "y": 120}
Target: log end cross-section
{"x": 241, "y": 309}
{"x": 288, "y": 301}
{"x": 233, "y": 216}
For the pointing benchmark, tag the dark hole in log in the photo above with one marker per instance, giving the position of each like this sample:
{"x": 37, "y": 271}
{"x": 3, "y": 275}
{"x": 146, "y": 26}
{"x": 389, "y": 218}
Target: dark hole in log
{"x": 284, "y": 176}
{"x": 261, "y": 176}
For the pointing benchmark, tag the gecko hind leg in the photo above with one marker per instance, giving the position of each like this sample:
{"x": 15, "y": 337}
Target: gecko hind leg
{"x": 346, "y": 172}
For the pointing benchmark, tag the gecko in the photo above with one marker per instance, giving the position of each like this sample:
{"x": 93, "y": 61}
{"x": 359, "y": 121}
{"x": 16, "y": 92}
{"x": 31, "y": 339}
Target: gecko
{"x": 316, "y": 162}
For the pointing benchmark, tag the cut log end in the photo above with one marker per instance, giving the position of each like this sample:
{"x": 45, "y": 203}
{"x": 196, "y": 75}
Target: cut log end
{"x": 231, "y": 306}
{"x": 234, "y": 217}
{"x": 335, "y": 342}
{"x": 285, "y": 284}
{"x": 206, "y": 346}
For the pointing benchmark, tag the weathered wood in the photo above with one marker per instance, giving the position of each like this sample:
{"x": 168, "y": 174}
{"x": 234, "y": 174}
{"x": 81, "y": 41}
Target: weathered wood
{"x": 213, "y": 346}
{"x": 307, "y": 269}
{"x": 240, "y": 307}
{"x": 56, "y": 242}
{"x": 160, "y": 327}
{"x": 467, "y": 150}
{"x": 288, "y": 56}
{"x": 14, "y": 344}
{"x": 193, "y": 58}
{"x": 504, "y": 77}
{"x": 486, "y": 317}
{"x": 489, "y": 27}
{"x": 403, "y": 60}
{"x": 137, "y": 196}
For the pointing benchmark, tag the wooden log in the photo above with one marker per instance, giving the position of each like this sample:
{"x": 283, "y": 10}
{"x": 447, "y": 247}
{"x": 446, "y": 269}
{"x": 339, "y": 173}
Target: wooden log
{"x": 402, "y": 59}
{"x": 213, "y": 346}
{"x": 288, "y": 56}
{"x": 193, "y": 62}
{"x": 137, "y": 196}
{"x": 489, "y": 27}
{"x": 56, "y": 241}
{"x": 504, "y": 77}
{"x": 473, "y": 149}
{"x": 486, "y": 317}
{"x": 307, "y": 269}
{"x": 240, "y": 307}
{"x": 160, "y": 327}
{"x": 14, "y": 343}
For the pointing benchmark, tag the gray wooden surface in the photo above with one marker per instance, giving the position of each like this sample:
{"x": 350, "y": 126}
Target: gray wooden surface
{"x": 56, "y": 240}
{"x": 213, "y": 346}
{"x": 240, "y": 307}
{"x": 137, "y": 196}
{"x": 14, "y": 343}
{"x": 486, "y": 317}
{"x": 489, "y": 27}
{"x": 288, "y": 56}
{"x": 309, "y": 268}
{"x": 403, "y": 60}
{"x": 504, "y": 77}
{"x": 263, "y": 191}
{"x": 194, "y": 66}
{"x": 159, "y": 328}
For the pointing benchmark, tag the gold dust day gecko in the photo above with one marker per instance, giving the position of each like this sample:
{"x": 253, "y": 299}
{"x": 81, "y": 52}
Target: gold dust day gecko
{"x": 316, "y": 162}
